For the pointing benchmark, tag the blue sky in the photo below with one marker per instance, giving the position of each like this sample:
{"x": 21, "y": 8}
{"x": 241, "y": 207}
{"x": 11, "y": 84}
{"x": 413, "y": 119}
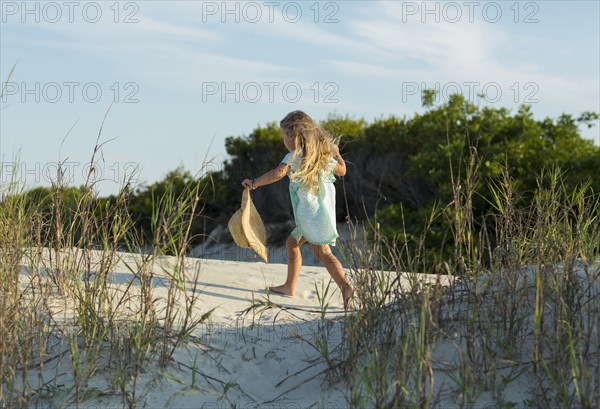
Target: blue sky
{"x": 184, "y": 75}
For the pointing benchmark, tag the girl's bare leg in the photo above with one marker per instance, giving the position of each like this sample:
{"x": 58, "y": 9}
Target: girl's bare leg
{"x": 293, "y": 270}
{"x": 334, "y": 267}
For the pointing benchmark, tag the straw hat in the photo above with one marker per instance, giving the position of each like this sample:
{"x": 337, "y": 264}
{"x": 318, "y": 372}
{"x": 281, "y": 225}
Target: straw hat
{"x": 247, "y": 229}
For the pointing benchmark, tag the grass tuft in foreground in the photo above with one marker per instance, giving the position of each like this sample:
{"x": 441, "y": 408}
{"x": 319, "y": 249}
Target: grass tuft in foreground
{"x": 517, "y": 322}
{"x": 64, "y": 320}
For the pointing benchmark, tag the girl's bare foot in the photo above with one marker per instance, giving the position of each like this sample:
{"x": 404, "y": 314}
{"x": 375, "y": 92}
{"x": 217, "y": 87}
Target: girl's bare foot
{"x": 282, "y": 289}
{"x": 347, "y": 295}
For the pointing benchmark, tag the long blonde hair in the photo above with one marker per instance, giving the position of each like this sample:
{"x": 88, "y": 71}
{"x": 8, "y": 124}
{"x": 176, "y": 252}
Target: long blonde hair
{"x": 315, "y": 145}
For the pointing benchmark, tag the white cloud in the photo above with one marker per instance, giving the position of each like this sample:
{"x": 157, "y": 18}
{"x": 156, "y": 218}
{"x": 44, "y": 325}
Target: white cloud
{"x": 363, "y": 69}
{"x": 153, "y": 26}
{"x": 458, "y": 47}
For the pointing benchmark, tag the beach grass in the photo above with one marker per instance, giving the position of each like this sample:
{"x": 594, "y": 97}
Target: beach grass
{"x": 516, "y": 326}
{"x": 59, "y": 303}
{"x": 510, "y": 319}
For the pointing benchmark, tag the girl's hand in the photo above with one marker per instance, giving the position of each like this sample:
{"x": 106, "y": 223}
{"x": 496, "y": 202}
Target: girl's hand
{"x": 340, "y": 168}
{"x": 248, "y": 183}
{"x": 336, "y": 153}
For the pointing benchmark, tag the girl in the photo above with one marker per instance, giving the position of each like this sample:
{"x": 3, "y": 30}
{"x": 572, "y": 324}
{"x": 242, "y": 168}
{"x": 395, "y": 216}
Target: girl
{"x": 313, "y": 160}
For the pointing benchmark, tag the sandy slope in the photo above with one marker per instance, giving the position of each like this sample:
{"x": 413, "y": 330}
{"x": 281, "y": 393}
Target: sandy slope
{"x": 250, "y": 357}
{"x": 259, "y": 359}
{"x": 254, "y": 353}
{"x": 264, "y": 358}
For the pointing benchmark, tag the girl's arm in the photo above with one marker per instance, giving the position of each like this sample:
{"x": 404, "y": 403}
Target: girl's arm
{"x": 271, "y": 176}
{"x": 340, "y": 168}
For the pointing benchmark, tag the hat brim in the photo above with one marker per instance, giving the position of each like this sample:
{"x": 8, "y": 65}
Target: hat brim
{"x": 247, "y": 229}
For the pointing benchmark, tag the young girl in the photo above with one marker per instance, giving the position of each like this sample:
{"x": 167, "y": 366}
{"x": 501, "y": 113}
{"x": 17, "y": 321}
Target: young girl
{"x": 312, "y": 161}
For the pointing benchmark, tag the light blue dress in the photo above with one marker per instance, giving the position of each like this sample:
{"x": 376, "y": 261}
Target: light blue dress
{"x": 314, "y": 214}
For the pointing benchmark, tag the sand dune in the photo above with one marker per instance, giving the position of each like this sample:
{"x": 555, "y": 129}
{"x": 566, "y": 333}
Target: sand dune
{"x": 254, "y": 357}
{"x": 261, "y": 358}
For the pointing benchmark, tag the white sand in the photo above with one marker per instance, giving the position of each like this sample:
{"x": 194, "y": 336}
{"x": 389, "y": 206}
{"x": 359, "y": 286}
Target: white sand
{"x": 265, "y": 357}
{"x": 254, "y": 353}
{"x": 261, "y": 352}
{"x": 259, "y": 359}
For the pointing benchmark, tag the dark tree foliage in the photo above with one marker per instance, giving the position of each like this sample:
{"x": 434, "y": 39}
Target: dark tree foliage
{"x": 402, "y": 166}
{"x": 398, "y": 168}
{"x": 252, "y": 156}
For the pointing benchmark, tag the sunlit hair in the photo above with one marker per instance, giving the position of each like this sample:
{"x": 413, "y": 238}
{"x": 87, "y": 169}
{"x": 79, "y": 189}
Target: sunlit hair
{"x": 314, "y": 144}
